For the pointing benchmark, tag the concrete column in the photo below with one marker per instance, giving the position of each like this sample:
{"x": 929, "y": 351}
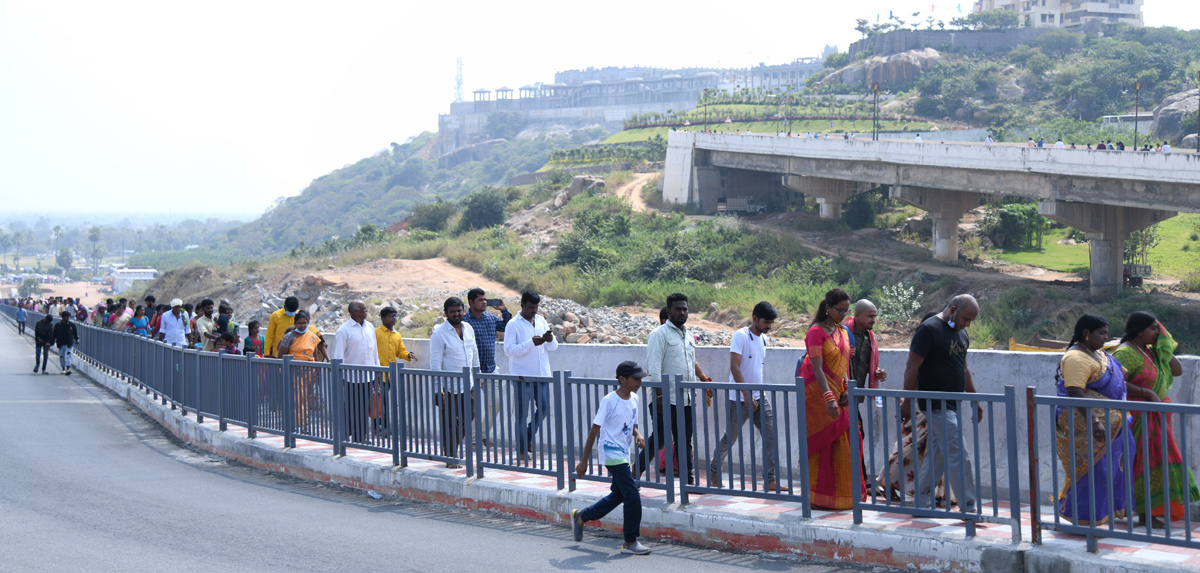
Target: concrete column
{"x": 946, "y": 208}
{"x": 830, "y": 193}
{"x": 1107, "y": 228}
{"x": 830, "y": 209}
{"x": 945, "y": 235}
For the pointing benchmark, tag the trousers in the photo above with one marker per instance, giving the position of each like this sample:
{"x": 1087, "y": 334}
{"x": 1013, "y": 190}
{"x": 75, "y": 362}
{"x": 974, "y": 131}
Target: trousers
{"x": 624, "y": 490}
{"x": 946, "y": 451}
{"x": 764, "y": 419}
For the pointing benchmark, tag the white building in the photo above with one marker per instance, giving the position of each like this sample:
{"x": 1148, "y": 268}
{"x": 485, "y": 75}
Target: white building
{"x": 124, "y": 278}
{"x": 1069, "y": 14}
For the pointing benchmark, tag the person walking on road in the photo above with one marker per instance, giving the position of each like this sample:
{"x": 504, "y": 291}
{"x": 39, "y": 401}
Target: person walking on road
{"x": 937, "y": 362}
{"x": 527, "y": 342}
{"x": 452, "y": 347}
{"x": 65, "y": 337}
{"x": 486, "y": 326}
{"x": 43, "y": 339}
{"x": 354, "y": 344}
{"x": 671, "y": 352}
{"x": 616, "y": 424}
{"x": 391, "y": 349}
{"x": 747, "y": 349}
{"x": 22, "y": 314}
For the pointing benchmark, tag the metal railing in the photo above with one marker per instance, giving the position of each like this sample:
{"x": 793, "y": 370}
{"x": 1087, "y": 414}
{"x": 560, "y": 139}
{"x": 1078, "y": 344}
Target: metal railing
{"x": 519, "y": 422}
{"x": 1119, "y": 497}
{"x": 973, "y": 440}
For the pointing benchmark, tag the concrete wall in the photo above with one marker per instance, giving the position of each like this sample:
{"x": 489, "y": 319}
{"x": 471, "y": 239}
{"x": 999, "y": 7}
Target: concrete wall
{"x": 991, "y": 370}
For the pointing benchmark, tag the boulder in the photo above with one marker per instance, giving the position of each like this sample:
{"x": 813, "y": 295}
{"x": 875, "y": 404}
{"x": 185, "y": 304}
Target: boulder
{"x": 1168, "y": 116}
{"x": 585, "y": 321}
{"x": 568, "y": 328}
{"x": 580, "y": 184}
{"x": 570, "y": 317}
{"x": 1189, "y": 142}
{"x": 577, "y": 338}
{"x": 899, "y": 68}
{"x": 407, "y": 322}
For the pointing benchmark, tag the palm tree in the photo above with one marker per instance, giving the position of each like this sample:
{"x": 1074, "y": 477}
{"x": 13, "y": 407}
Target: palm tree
{"x": 5, "y": 243}
{"x": 94, "y": 237}
{"x": 56, "y": 233}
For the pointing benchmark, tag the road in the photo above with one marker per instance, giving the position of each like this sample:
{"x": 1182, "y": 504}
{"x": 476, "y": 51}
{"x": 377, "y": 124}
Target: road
{"x": 87, "y": 482}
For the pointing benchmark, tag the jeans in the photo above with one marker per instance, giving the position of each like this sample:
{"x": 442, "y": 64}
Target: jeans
{"x": 658, "y": 438}
{"x": 623, "y": 490}
{"x": 358, "y": 407}
{"x": 539, "y": 394}
{"x": 64, "y": 357}
{"x": 738, "y": 412}
{"x": 455, "y": 416}
{"x": 20, "y": 327}
{"x": 492, "y": 396}
{"x": 41, "y": 355}
{"x": 948, "y": 439}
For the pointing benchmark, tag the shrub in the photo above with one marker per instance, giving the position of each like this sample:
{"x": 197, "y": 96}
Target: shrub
{"x": 432, "y": 216}
{"x": 483, "y": 208}
{"x": 898, "y": 302}
{"x": 1191, "y": 282}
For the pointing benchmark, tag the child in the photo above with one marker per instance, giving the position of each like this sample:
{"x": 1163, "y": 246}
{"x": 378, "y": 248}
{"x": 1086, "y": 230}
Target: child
{"x": 254, "y": 340}
{"x": 228, "y": 344}
{"x": 615, "y": 423}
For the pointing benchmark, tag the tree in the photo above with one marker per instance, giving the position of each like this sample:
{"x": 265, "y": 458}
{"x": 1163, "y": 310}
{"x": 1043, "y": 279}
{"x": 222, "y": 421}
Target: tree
{"x": 56, "y": 233}
{"x": 862, "y": 26}
{"x": 1059, "y": 42}
{"x": 1139, "y": 243}
{"x": 483, "y": 208}
{"x": 94, "y": 237}
{"x": 432, "y": 216}
{"x": 837, "y": 61}
{"x": 64, "y": 258}
{"x": 29, "y": 287}
{"x": 505, "y": 124}
{"x": 5, "y": 243}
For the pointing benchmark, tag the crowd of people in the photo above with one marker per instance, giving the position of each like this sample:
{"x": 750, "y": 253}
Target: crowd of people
{"x": 840, "y": 348}
{"x": 1102, "y": 145}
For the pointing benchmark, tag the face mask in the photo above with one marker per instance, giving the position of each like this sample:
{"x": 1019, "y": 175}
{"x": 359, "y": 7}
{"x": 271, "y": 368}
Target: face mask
{"x": 293, "y": 313}
{"x": 950, "y": 324}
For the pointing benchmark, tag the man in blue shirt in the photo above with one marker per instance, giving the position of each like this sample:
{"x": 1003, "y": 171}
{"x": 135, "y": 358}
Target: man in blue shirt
{"x": 486, "y": 325}
{"x": 22, "y": 314}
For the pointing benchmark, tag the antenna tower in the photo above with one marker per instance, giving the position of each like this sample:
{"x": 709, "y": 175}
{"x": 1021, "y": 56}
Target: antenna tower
{"x": 458, "y": 81}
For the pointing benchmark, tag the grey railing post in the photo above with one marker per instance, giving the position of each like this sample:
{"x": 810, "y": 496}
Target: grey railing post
{"x": 468, "y": 427}
{"x": 802, "y": 424}
{"x": 289, "y": 408}
{"x": 199, "y": 384}
{"x": 251, "y": 398}
{"x": 401, "y": 432}
{"x": 856, "y": 476}
{"x": 570, "y": 431}
{"x": 339, "y": 406}
{"x": 476, "y": 444}
{"x": 1014, "y": 492}
{"x": 681, "y": 448}
{"x": 558, "y": 387}
{"x": 391, "y": 415}
{"x": 220, "y": 390}
{"x": 669, "y": 446}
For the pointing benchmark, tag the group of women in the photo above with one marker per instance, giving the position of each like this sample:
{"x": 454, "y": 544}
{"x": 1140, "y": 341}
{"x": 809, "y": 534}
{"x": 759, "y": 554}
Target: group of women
{"x": 1141, "y": 368}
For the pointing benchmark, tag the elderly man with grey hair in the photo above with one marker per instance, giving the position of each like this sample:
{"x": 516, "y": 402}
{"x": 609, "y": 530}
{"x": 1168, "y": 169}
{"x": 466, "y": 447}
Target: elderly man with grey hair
{"x": 937, "y": 362}
{"x": 354, "y": 344}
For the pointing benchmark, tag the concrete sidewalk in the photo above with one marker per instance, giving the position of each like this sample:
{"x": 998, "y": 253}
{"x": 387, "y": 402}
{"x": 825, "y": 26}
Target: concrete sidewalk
{"x": 718, "y": 521}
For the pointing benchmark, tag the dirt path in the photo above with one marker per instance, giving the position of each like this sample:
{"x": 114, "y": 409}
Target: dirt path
{"x": 631, "y": 191}
{"x": 413, "y": 278}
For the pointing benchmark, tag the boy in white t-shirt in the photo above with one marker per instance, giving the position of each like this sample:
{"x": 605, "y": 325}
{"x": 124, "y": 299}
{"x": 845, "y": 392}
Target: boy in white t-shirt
{"x": 615, "y": 423}
{"x": 747, "y": 349}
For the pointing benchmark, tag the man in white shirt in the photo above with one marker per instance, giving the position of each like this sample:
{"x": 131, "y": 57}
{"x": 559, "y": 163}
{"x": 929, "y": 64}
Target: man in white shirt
{"x": 988, "y": 142}
{"x": 354, "y": 344}
{"x": 747, "y": 349}
{"x": 1059, "y": 144}
{"x": 452, "y": 348}
{"x": 918, "y": 139}
{"x": 1166, "y": 148}
{"x": 527, "y": 340}
{"x": 173, "y": 328}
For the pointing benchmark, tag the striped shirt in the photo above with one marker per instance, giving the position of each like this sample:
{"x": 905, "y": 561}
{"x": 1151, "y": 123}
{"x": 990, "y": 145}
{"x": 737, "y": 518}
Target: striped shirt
{"x": 486, "y": 328}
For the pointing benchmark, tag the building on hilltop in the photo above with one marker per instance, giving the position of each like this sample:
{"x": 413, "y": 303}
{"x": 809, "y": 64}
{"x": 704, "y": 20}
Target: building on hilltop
{"x": 785, "y": 75}
{"x": 1068, "y": 14}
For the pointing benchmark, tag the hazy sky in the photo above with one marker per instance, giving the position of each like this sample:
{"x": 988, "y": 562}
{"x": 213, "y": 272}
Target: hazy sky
{"x": 226, "y": 106}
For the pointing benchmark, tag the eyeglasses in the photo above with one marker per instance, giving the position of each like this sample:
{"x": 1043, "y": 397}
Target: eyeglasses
{"x": 840, "y": 310}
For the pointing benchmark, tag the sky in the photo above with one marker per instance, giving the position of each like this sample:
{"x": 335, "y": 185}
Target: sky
{"x": 223, "y": 107}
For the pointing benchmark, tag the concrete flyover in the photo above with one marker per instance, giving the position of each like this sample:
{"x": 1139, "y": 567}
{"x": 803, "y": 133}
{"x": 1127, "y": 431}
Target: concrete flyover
{"x": 1108, "y": 195}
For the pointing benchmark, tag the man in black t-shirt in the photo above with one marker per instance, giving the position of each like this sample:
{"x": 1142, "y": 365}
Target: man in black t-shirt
{"x": 937, "y": 362}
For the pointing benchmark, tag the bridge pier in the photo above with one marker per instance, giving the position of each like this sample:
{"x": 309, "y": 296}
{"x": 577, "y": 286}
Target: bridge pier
{"x": 830, "y": 193}
{"x": 946, "y": 208}
{"x": 1107, "y": 228}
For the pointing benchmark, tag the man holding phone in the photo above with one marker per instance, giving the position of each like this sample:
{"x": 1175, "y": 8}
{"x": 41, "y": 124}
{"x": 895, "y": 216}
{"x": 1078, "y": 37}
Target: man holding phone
{"x": 486, "y": 325}
{"x": 527, "y": 341}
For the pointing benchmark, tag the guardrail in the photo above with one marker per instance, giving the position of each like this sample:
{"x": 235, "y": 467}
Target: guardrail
{"x": 906, "y": 440}
{"x": 1078, "y": 505}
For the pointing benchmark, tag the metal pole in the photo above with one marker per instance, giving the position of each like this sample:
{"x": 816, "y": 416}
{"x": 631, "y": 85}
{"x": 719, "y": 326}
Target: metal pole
{"x": 1137, "y": 100}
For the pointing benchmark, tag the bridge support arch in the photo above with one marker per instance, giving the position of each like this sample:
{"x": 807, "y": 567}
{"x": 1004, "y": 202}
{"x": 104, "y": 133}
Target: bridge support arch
{"x": 1107, "y": 228}
{"x": 946, "y": 208}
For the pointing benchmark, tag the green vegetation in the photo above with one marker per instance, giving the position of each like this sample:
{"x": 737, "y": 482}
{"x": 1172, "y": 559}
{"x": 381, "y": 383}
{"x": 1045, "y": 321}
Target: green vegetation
{"x": 1052, "y": 255}
{"x": 653, "y": 149}
{"x": 1176, "y": 254}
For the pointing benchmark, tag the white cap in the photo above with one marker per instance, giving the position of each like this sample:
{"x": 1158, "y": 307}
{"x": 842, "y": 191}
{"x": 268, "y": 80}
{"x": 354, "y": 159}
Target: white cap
{"x": 176, "y": 302}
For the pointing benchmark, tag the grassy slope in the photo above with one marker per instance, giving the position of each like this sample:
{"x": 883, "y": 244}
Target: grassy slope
{"x": 814, "y": 126}
{"x": 1168, "y": 258}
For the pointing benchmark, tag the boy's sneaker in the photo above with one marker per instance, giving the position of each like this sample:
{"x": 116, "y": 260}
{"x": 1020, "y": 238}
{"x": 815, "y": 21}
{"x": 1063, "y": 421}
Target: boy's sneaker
{"x": 576, "y": 525}
{"x": 635, "y": 548}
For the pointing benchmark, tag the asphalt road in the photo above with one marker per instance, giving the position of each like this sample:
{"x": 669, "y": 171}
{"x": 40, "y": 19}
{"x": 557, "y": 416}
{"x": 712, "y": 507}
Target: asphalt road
{"x": 88, "y": 483}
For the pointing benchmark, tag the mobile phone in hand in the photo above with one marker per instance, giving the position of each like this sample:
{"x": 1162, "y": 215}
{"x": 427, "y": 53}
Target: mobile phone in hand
{"x": 494, "y": 302}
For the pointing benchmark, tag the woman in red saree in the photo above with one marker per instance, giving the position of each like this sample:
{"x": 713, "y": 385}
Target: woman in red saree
{"x": 1147, "y": 352}
{"x": 824, "y": 369}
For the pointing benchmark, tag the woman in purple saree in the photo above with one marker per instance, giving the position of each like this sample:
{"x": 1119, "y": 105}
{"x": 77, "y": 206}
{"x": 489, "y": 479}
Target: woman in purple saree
{"x": 1087, "y": 371}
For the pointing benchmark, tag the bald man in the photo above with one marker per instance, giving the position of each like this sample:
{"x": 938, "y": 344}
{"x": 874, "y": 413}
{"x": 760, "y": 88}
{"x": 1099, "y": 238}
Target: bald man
{"x": 937, "y": 362}
{"x": 354, "y": 344}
